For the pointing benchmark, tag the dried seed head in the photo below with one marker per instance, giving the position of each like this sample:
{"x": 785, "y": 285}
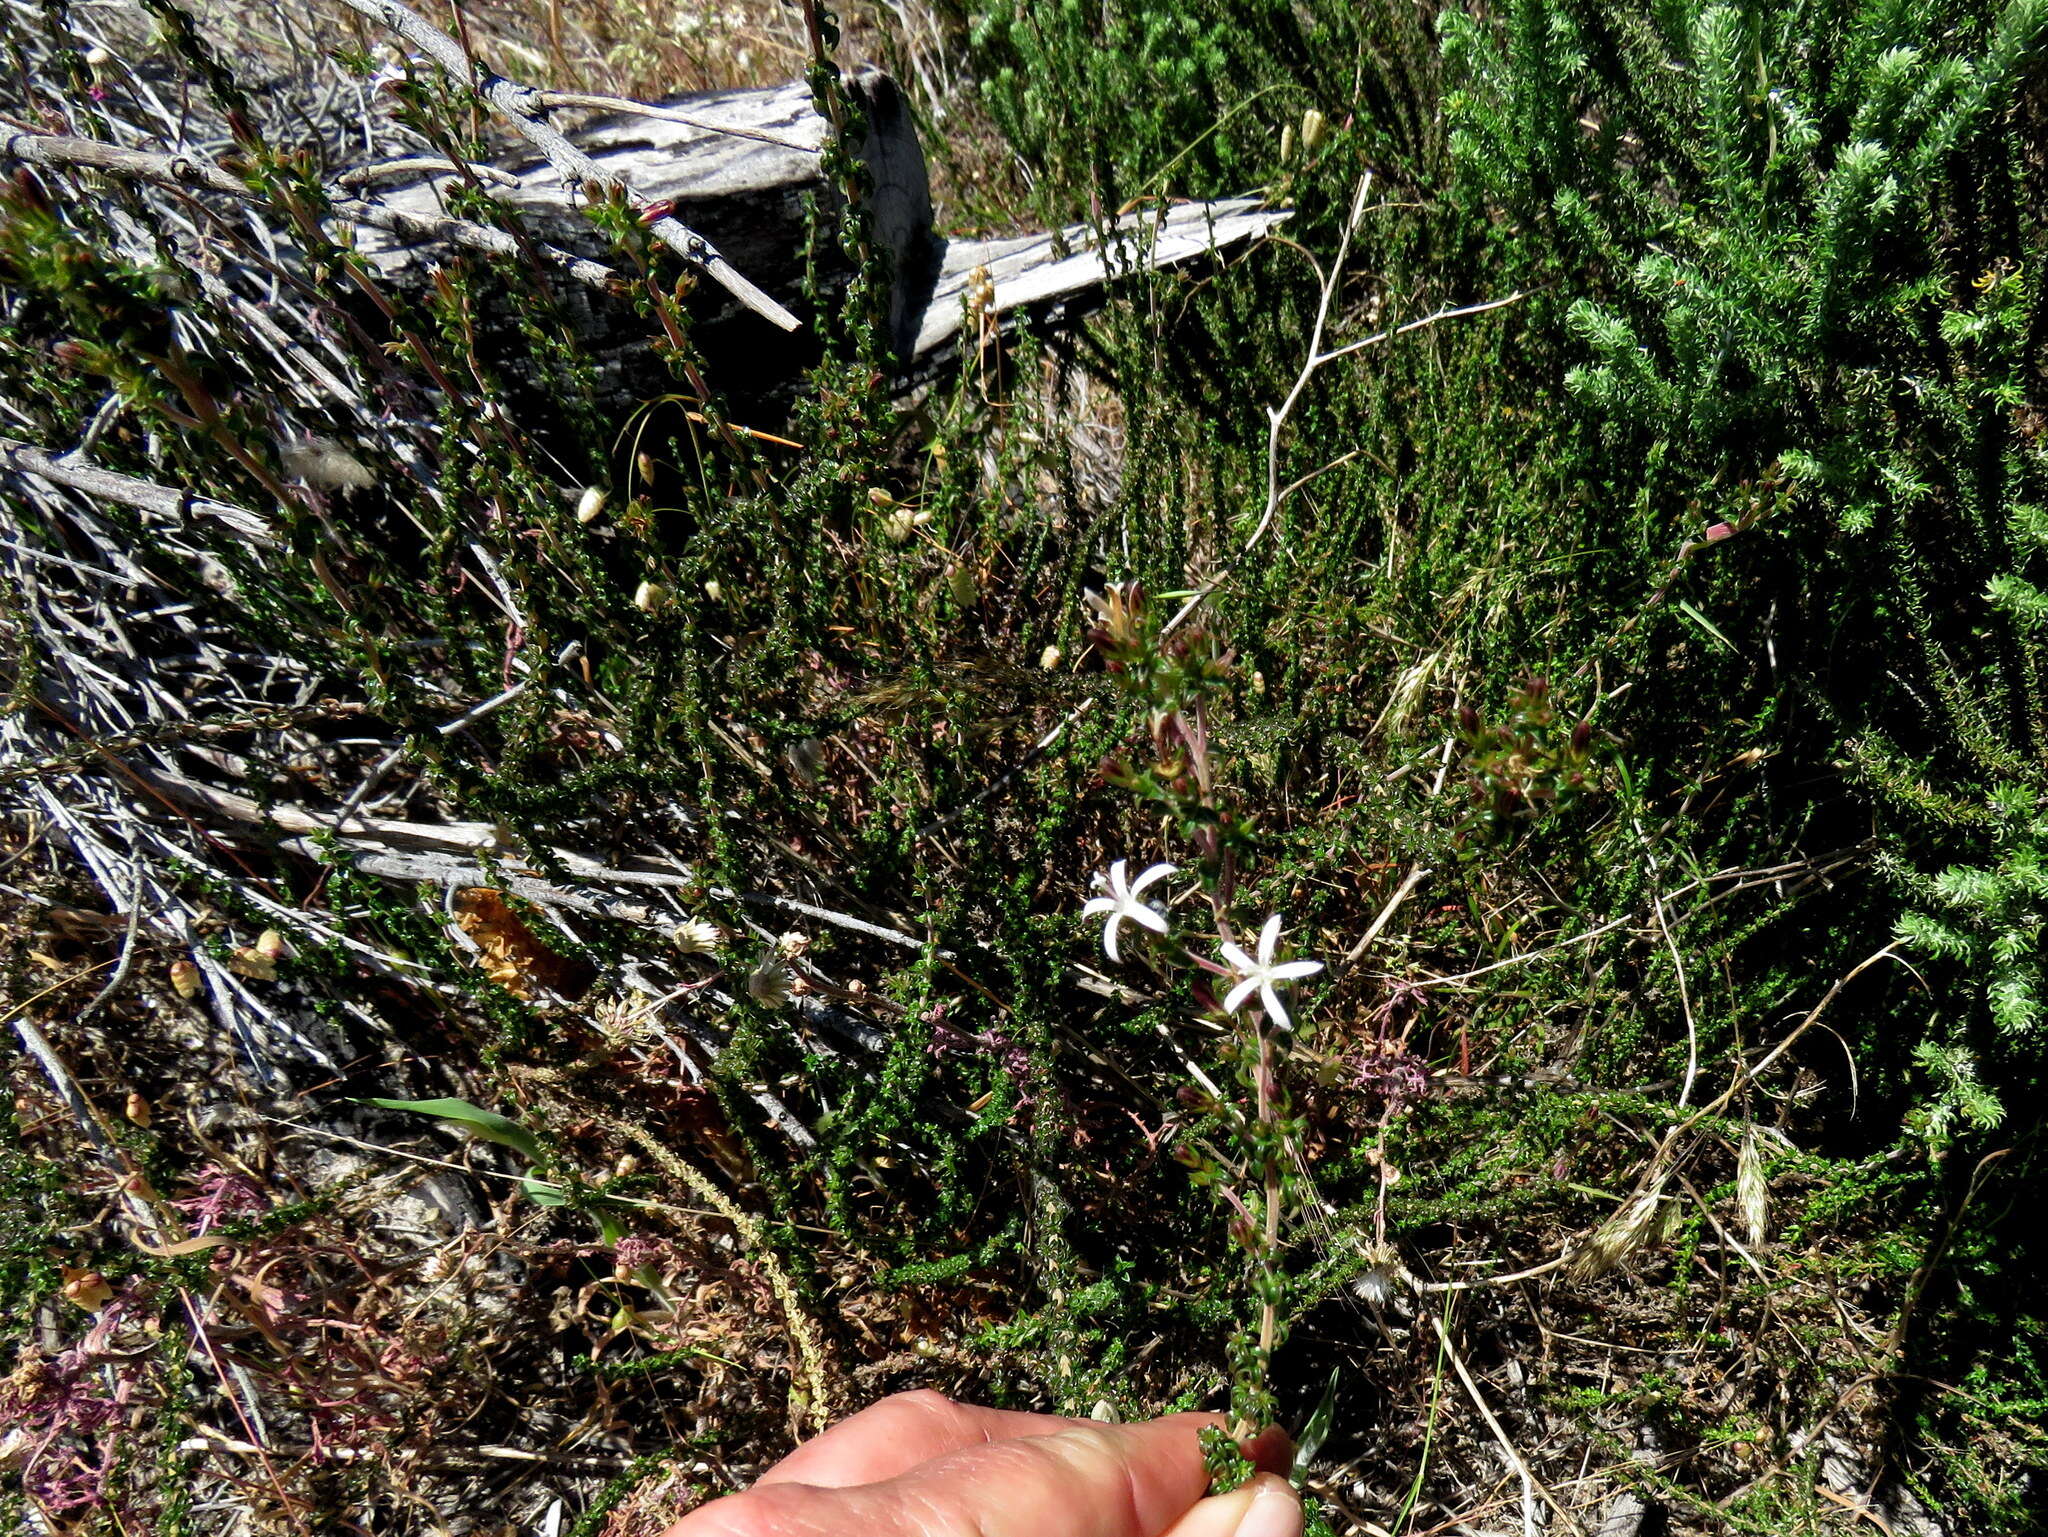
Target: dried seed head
{"x": 324, "y": 463}
{"x": 1622, "y": 1236}
{"x": 693, "y": 936}
{"x": 1314, "y": 129}
{"x": 1049, "y": 658}
{"x": 1752, "y": 1194}
{"x": 137, "y": 1109}
{"x": 768, "y": 984}
{"x": 272, "y": 944}
{"x": 1374, "y": 1285}
{"x": 590, "y": 506}
{"x": 1287, "y": 144}
{"x": 649, "y": 596}
{"x": 185, "y": 979}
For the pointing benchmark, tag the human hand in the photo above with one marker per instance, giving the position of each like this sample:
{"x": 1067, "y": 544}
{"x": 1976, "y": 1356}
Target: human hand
{"x": 920, "y": 1465}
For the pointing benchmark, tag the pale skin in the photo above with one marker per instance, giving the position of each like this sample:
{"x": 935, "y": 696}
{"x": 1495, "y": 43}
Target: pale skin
{"x": 921, "y": 1465}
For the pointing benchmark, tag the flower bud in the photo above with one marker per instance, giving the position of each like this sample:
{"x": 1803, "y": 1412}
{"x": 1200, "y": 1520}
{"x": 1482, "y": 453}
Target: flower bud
{"x": 1314, "y": 129}
{"x": 713, "y": 591}
{"x": 1049, "y": 658}
{"x": 253, "y": 963}
{"x": 87, "y": 1288}
{"x": 591, "y": 504}
{"x": 649, "y": 596}
{"x": 693, "y": 936}
{"x": 185, "y": 979}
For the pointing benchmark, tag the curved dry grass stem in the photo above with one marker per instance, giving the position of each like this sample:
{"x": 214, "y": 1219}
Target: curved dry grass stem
{"x": 812, "y": 1400}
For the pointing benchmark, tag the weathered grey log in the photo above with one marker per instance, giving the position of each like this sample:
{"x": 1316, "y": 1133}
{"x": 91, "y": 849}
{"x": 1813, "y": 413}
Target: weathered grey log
{"x": 739, "y": 166}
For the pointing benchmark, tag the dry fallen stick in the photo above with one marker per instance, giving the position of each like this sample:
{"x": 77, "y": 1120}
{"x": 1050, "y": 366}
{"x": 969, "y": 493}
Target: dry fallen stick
{"x": 522, "y": 107}
{"x": 1529, "y": 1480}
{"x": 1277, "y": 416}
{"x": 27, "y": 459}
{"x": 186, "y": 173}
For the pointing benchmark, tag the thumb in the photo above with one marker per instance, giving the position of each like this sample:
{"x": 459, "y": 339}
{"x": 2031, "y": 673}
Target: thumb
{"x": 1264, "y": 1507}
{"x": 1086, "y": 1481}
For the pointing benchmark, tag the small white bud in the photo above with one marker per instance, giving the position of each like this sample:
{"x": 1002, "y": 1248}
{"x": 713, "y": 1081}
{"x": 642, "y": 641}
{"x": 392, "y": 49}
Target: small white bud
{"x": 901, "y": 522}
{"x": 1049, "y": 658}
{"x": 1314, "y": 129}
{"x": 713, "y": 591}
{"x": 649, "y": 596}
{"x": 591, "y": 504}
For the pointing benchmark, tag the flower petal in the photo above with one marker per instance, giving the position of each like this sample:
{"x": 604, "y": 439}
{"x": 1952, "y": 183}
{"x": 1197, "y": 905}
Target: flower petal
{"x": 1109, "y": 937}
{"x": 1143, "y": 916}
{"x": 1239, "y": 993}
{"x": 1156, "y": 873}
{"x": 1289, "y": 970}
{"x": 1240, "y": 963}
{"x": 1269, "y": 936}
{"x": 1118, "y": 881}
{"x": 1096, "y": 905}
{"x": 1274, "y": 1011}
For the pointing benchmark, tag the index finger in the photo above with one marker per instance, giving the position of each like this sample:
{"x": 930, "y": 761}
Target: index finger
{"x": 896, "y": 1434}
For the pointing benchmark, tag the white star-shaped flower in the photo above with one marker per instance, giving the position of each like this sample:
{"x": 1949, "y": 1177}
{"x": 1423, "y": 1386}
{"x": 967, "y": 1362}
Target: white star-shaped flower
{"x": 1125, "y": 901}
{"x": 1257, "y": 975}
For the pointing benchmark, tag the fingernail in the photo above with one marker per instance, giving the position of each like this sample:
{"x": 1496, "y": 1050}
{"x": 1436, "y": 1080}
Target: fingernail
{"x": 1275, "y": 1511}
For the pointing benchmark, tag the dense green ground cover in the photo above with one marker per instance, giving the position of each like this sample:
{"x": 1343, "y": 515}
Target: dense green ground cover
{"x": 1651, "y": 657}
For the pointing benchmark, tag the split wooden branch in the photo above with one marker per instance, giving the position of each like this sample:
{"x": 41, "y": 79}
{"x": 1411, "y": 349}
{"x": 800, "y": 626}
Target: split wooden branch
{"x": 523, "y": 108}
{"x": 188, "y": 173}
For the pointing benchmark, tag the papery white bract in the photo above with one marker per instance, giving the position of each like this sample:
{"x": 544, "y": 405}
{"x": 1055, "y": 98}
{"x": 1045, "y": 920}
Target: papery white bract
{"x": 1258, "y": 974}
{"x": 1126, "y": 902}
